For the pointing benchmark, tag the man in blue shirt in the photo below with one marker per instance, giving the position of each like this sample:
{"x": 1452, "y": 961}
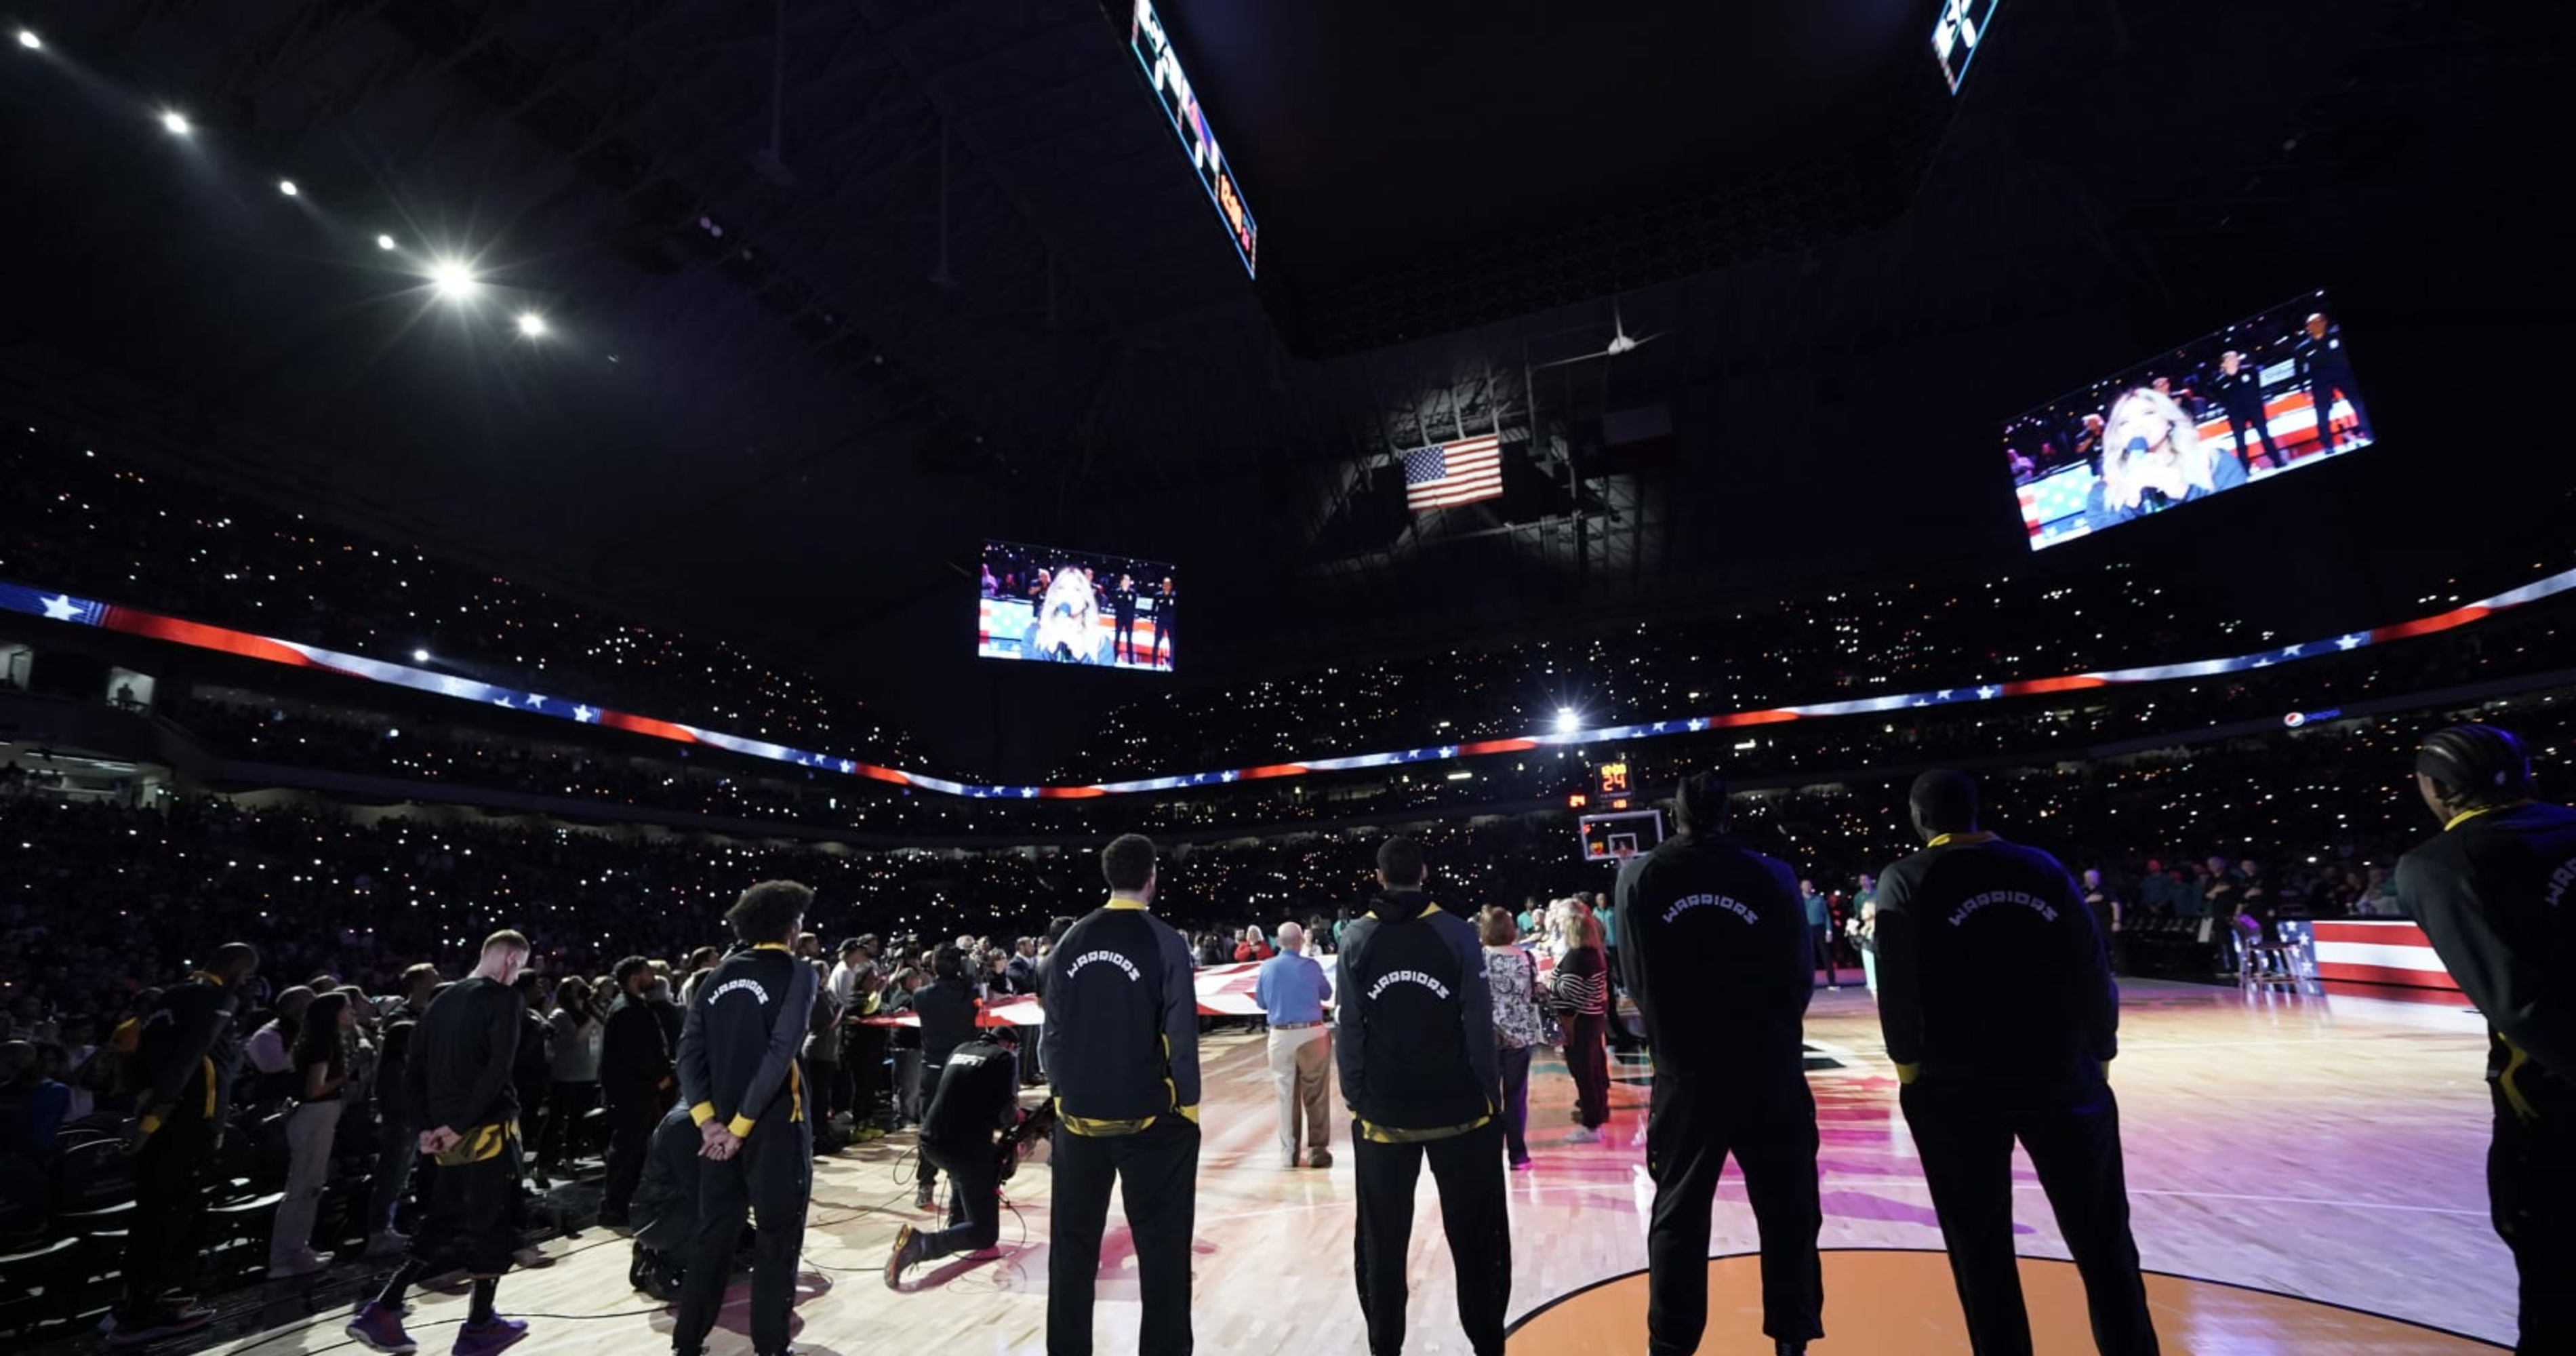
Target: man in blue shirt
{"x": 1820, "y": 925}
{"x": 1292, "y": 992}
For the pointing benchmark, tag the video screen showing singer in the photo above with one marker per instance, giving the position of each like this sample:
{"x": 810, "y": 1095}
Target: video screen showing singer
{"x": 2261, "y": 397}
{"x": 1074, "y": 607}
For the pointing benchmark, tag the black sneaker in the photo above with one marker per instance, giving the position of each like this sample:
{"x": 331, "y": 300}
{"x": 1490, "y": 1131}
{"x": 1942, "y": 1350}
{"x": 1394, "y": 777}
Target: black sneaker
{"x": 907, "y": 1254}
{"x": 152, "y": 1325}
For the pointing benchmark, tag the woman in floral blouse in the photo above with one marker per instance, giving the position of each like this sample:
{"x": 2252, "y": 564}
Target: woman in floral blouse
{"x": 1514, "y": 978}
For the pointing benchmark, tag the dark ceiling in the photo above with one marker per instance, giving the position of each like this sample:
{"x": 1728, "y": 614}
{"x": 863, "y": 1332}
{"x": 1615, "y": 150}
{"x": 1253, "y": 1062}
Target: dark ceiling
{"x": 839, "y": 287}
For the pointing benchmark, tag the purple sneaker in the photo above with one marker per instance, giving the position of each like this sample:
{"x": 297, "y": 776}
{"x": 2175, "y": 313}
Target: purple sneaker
{"x": 378, "y": 1328}
{"x": 491, "y": 1338}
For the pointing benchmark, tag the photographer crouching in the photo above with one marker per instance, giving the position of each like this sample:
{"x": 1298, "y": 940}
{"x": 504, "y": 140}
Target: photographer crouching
{"x": 978, "y": 1099}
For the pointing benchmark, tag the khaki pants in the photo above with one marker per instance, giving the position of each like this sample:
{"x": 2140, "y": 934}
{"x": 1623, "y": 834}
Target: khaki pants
{"x": 310, "y": 1128}
{"x": 1301, "y": 1062}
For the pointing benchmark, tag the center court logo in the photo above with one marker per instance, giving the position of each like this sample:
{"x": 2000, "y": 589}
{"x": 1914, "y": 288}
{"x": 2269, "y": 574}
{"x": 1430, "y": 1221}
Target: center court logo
{"x": 1688, "y": 902}
{"x": 1394, "y": 977}
{"x": 1111, "y": 957}
{"x": 2028, "y": 901}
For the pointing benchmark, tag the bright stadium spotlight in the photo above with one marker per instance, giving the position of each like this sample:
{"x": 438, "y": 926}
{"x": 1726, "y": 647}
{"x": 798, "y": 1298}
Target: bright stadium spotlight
{"x": 454, "y": 280}
{"x": 531, "y": 324}
{"x": 287, "y": 187}
{"x": 384, "y": 242}
{"x": 175, "y": 123}
{"x": 1566, "y": 721}
{"x": 28, "y": 39}
{"x": 420, "y": 656}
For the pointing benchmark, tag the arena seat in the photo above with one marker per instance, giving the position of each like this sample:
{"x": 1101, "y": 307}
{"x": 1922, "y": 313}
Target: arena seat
{"x": 35, "y": 1290}
{"x": 2266, "y": 960}
{"x": 95, "y": 1278}
{"x": 106, "y": 1219}
{"x": 92, "y": 1175}
{"x": 237, "y": 1238}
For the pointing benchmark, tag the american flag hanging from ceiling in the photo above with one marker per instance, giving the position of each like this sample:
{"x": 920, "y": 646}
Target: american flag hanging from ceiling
{"x": 1461, "y": 472}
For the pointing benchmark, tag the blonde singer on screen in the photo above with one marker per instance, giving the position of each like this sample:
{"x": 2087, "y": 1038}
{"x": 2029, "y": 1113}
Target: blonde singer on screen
{"x": 2153, "y": 458}
{"x": 1069, "y": 618}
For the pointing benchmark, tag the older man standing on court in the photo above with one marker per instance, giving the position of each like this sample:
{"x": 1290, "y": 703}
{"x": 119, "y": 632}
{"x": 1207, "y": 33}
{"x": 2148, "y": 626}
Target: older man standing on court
{"x": 1292, "y": 993}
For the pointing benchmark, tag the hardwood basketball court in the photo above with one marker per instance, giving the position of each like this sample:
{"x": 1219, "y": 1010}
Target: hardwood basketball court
{"x": 2305, "y": 1171}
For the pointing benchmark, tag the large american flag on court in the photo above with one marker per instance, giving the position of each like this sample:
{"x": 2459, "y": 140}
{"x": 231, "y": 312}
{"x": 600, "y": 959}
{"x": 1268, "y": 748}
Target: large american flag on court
{"x": 1460, "y": 472}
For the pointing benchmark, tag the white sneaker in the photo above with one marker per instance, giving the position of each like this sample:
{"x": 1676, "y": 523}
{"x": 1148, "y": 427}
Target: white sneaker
{"x": 387, "y": 1243}
{"x": 531, "y": 1257}
{"x": 1584, "y": 1135}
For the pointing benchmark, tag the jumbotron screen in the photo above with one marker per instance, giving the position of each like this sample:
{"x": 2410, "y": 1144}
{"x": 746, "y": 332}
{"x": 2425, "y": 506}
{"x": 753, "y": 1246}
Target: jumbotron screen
{"x": 1075, "y": 607}
{"x": 2263, "y": 397}
{"x": 1956, "y": 34}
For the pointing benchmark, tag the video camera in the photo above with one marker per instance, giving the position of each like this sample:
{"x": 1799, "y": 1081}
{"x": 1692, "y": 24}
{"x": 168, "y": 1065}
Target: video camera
{"x": 1026, "y": 1139}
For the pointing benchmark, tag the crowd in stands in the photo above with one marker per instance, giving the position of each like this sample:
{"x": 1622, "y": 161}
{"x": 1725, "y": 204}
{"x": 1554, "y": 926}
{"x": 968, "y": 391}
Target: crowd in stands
{"x": 99, "y": 902}
{"x": 86, "y": 521}
{"x": 1904, "y": 638}
{"x": 359, "y": 913}
{"x": 616, "y": 772}
{"x": 74, "y": 519}
{"x": 453, "y": 756}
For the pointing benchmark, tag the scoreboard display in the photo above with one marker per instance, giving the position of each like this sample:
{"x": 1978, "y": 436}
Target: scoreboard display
{"x": 1612, "y": 779}
{"x": 1956, "y": 33}
{"x": 1153, "y": 48}
{"x": 1617, "y": 837}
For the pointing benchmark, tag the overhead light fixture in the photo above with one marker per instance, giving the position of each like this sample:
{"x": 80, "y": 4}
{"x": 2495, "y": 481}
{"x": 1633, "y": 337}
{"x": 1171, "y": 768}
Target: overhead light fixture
{"x": 420, "y": 656}
{"x": 384, "y": 242}
{"x": 531, "y": 324}
{"x": 28, "y": 39}
{"x": 175, "y": 123}
{"x": 287, "y": 187}
{"x": 453, "y": 280}
{"x": 1566, "y": 721}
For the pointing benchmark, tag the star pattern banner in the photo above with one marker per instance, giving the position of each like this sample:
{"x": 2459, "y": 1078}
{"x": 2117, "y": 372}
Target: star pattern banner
{"x": 63, "y": 607}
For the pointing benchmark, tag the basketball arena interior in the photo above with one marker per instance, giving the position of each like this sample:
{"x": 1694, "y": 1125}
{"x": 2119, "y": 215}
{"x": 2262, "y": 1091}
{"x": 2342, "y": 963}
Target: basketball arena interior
{"x": 597, "y": 751}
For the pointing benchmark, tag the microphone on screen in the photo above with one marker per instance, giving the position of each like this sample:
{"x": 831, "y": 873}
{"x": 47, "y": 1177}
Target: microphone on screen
{"x": 2136, "y": 446}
